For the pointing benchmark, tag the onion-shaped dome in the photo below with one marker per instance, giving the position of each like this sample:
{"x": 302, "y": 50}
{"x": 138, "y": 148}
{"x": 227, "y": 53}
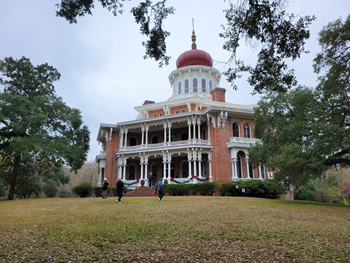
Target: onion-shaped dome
{"x": 194, "y": 57}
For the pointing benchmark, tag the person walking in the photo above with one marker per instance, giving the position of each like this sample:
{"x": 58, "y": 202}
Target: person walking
{"x": 160, "y": 189}
{"x": 150, "y": 178}
{"x": 104, "y": 188}
{"x": 120, "y": 186}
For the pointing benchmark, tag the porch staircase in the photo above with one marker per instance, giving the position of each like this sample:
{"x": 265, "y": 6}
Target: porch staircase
{"x": 140, "y": 192}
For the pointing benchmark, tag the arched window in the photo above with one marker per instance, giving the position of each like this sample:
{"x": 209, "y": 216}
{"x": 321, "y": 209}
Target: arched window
{"x": 184, "y": 169}
{"x": 210, "y": 85}
{"x": 186, "y": 86}
{"x": 179, "y": 88}
{"x": 246, "y": 130}
{"x": 235, "y": 129}
{"x": 154, "y": 139}
{"x": 132, "y": 172}
{"x": 155, "y": 115}
{"x": 203, "y": 134}
{"x": 177, "y": 112}
{"x": 184, "y": 136}
{"x": 183, "y": 111}
{"x": 204, "y": 88}
{"x": 160, "y": 114}
{"x": 133, "y": 141}
{"x": 195, "y": 85}
{"x": 239, "y": 166}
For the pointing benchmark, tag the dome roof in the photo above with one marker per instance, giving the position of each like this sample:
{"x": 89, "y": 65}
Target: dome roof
{"x": 194, "y": 57}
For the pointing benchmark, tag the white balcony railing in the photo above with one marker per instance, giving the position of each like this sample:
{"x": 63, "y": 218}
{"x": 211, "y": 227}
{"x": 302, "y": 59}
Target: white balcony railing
{"x": 241, "y": 142}
{"x": 193, "y": 142}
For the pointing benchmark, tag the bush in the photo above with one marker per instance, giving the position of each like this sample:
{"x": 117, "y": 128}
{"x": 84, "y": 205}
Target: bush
{"x": 63, "y": 193}
{"x": 50, "y": 189}
{"x": 268, "y": 188}
{"x": 83, "y": 190}
{"x": 114, "y": 190}
{"x": 193, "y": 189}
{"x": 98, "y": 191}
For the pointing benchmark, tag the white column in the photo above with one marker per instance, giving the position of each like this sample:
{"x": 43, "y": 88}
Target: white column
{"x": 236, "y": 168}
{"x": 189, "y": 158}
{"x": 199, "y": 127}
{"x": 169, "y": 165}
{"x": 169, "y": 133}
{"x": 124, "y": 171}
{"x": 210, "y": 155}
{"x": 271, "y": 175}
{"x": 147, "y": 135}
{"x": 164, "y": 125}
{"x": 259, "y": 171}
{"x": 233, "y": 169}
{"x": 194, "y": 129}
{"x": 247, "y": 161}
{"x": 121, "y": 133}
{"x": 200, "y": 168}
{"x": 195, "y": 163}
{"x": 189, "y": 129}
{"x": 126, "y": 137}
{"x": 143, "y": 135}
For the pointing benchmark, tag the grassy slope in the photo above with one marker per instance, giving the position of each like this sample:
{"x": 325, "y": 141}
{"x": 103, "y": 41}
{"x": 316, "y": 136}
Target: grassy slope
{"x": 181, "y": 229}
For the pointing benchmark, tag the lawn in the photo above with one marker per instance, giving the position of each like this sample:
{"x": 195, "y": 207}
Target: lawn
{"x": 180, "y": 229}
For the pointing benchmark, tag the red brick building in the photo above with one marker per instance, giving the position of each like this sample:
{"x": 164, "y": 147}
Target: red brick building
{"x": 192, "y": 137}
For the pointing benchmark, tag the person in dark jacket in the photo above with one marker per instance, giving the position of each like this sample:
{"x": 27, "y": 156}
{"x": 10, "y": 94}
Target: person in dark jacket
{"x": 120, "y": 186}
{"x": 160, "y": 189}
{"x": 104, "y": 188}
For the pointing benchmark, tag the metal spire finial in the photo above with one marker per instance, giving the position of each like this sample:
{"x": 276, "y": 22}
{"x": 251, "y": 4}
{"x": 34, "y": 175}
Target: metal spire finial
{"x": 194, "y": 46}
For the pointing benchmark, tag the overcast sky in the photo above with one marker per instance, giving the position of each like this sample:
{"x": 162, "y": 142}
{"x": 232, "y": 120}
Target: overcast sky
{"x": 101, "y": 58}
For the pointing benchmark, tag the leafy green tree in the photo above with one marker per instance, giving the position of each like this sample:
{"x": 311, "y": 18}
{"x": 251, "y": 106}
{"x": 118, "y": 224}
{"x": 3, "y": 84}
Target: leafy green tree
{"x": 265, "y": 22}
{"x": 304, "y": 132}
{"x": 149, "y": 16}
{"x": 38, "y": 130}
{"x": 279, "y": 35}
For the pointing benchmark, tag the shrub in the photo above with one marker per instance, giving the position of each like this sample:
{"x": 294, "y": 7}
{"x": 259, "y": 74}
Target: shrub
{"x": 193, "y": 189}
{"x": 83, "y": 190}
{"x": 50, "y": 189}
{"x": 98, "y": 191}
{"x": 63, "y": 193}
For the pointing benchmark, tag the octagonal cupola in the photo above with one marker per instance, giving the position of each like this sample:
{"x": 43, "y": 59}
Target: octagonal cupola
{"x": 195, "y": 75}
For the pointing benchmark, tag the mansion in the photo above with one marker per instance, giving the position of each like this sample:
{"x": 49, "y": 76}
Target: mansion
{"x": 193, "y": 137}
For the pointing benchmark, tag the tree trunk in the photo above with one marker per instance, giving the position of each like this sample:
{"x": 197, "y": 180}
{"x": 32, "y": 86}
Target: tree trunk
{"x": 14, "y": 177}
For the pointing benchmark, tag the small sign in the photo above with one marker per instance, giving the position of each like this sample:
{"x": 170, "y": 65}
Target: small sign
{"x": 243, "y": 190}
{"x": 237, "y": 186}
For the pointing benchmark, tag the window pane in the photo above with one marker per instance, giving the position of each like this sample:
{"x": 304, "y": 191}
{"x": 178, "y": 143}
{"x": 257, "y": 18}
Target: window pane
{"x": 210, "y": 86}
{"x": 195, "y": 85}
{"x": 246, "y": 131}
{"x": 186, "y": 86}
{"x": 235, "y": 130}
{"x": 204, "y": 89}
{"x": 179, "y": 88}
